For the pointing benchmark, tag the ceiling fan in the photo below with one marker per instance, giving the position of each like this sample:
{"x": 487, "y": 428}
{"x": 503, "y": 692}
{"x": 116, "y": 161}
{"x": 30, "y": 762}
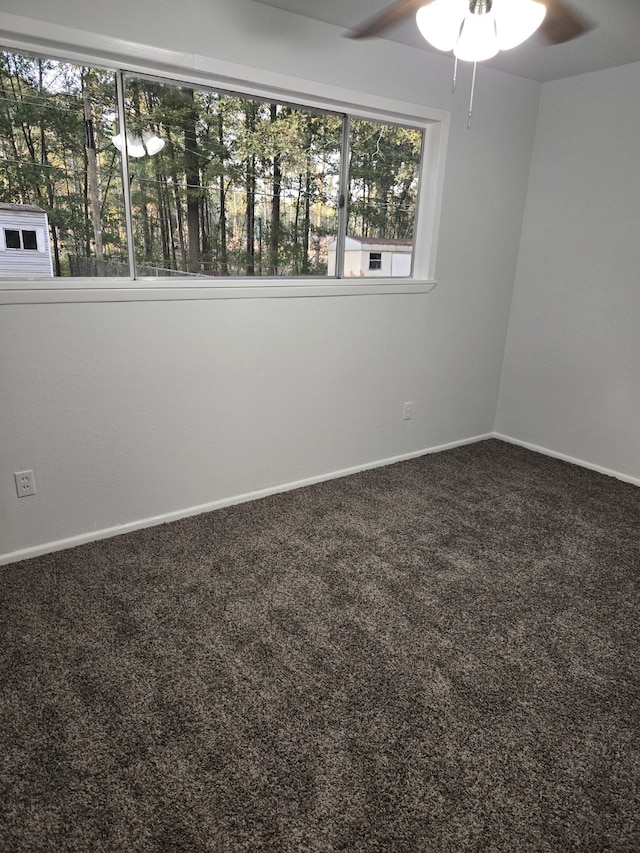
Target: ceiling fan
{"x": 476, "y": 30}
{"x": 561, "y": 23}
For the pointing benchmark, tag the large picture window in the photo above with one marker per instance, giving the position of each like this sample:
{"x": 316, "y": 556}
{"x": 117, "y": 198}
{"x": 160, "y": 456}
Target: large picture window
{"x": 146, "y": 178}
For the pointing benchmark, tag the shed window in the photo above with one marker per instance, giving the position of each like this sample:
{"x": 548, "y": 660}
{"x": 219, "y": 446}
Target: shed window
{"x": 20, "y": 239}
{"x": 29, "y": 240}
{"x": 11, "y": 238}
{"x": 375, "y": 260}
{"x": 23, "y": 239}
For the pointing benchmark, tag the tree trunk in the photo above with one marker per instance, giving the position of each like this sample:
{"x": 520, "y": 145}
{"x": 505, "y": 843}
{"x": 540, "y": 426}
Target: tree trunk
{"x": 192, "y": 177}
{"x": 178, "y": 223}
{"x": 223, "y": 261}
{"x": 92, "y": 172}
{"x": 274, "y": 234}
{"x": 250, "y": 183}
{"x": 306, "y": 223}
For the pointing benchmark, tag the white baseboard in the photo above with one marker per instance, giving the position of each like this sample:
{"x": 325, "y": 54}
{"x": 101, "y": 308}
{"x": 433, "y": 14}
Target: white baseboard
{"x": 545, "y": 450}
{"x": 105, "y": 533}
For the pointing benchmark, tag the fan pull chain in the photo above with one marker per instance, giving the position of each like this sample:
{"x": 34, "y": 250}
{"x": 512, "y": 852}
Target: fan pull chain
{"x": 473, "y": 88}
{"x": 455, "y": 76}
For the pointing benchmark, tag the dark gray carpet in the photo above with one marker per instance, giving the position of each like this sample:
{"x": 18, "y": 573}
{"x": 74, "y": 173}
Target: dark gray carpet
{"x": 439, "y": 655}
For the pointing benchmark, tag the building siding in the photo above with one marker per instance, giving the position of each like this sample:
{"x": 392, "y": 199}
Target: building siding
{"x": 25, "y": 263}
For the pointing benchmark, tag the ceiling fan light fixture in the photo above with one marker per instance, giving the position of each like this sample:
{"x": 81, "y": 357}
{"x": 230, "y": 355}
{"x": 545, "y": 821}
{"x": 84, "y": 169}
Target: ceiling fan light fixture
{"x": 517, "y": 20}
{"x": 478, "y": 37}
{"x": 135, "y": 147}
{"x": 440, "y": 21}
{"x": 152, "y": 142}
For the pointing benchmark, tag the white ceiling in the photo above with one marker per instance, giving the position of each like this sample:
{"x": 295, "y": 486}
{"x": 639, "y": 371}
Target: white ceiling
{"x": 615, "y": 40}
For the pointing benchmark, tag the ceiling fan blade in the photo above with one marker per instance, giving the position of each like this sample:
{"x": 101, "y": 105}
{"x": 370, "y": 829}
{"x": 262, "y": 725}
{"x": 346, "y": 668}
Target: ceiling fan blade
{"x": 562, "y": 23}
{"x": 388, "y": 18}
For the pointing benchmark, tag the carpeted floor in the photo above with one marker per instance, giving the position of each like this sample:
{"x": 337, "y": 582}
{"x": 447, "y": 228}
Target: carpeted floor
{"x": 439, "y": 655}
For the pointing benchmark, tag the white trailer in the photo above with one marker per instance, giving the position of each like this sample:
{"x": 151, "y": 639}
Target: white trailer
{"x": 373, "y": 257}
{"x": 25, "y": 251}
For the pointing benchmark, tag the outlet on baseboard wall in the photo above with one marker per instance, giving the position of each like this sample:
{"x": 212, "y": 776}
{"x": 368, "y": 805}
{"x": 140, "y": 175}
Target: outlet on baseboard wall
{"x": 25, "y": 483}
{"x": 407, "y": 411}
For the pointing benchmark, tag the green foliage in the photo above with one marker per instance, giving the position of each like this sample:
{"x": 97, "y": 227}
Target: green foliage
{"x": 384, "y": 169}
{"x": 42, "y": 141}
{"x": 240, "y": 187}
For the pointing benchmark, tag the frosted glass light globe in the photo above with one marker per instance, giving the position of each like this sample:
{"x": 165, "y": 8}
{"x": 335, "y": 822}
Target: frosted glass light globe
{"x": 478, "y": 38}
{"x": 439, "y": 22}
{"x": 517, "y": 20}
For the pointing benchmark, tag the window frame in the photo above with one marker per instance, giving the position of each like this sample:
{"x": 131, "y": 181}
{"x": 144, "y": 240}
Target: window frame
{"x": 38, "y": 236}
{"x": 375, "y": 260}
{"x": 6, "y": 246}
{"x": 24, "y": 247}
{"x": 176, "y": 67}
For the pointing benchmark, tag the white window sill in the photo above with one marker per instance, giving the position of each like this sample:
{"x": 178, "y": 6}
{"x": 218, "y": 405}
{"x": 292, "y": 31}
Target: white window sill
{"x": 126, "y": 290}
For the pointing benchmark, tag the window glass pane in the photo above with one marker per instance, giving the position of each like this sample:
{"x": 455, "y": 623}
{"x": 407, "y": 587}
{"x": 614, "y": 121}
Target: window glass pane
{"x": 11, "y": 238}
{"x": 227, "y": 186}
{"x": 61, "y": 172}
{"x": 384, "y": 171}
{"x": 29, "y": 240}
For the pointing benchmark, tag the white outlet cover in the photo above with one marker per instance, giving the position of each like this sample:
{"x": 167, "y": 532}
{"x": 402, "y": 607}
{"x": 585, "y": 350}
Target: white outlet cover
{"x": 25, "y": 483}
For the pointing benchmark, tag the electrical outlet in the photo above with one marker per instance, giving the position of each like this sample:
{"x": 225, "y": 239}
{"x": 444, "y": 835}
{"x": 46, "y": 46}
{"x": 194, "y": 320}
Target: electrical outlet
{"x": 407, "y": 411}
{"x": 25, "y": 483}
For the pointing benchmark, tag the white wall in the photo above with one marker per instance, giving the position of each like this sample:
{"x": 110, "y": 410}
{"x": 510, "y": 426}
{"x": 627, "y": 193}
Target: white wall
{"x": 128, "y": 412}
{"x": 571, "y": 379}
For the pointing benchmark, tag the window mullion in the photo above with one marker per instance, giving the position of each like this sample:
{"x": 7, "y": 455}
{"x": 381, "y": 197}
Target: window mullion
{"x": 343, "y": 195}
{"x": 126, "y": 184}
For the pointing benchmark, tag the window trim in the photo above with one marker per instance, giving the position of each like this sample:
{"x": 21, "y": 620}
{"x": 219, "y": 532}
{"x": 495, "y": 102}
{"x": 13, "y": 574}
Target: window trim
{"x": 5, "y": 242}
{"x": 24, "y": 247}
{"x": 38, "y": 234}
{"x": 65, "y": 43}
{"x": 375, "y": 260}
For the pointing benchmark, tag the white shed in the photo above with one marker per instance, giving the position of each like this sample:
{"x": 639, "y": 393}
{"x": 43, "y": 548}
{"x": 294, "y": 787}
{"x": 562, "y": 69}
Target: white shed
{"x": 373, "y": 257}
{"x": 24, "y": 242}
